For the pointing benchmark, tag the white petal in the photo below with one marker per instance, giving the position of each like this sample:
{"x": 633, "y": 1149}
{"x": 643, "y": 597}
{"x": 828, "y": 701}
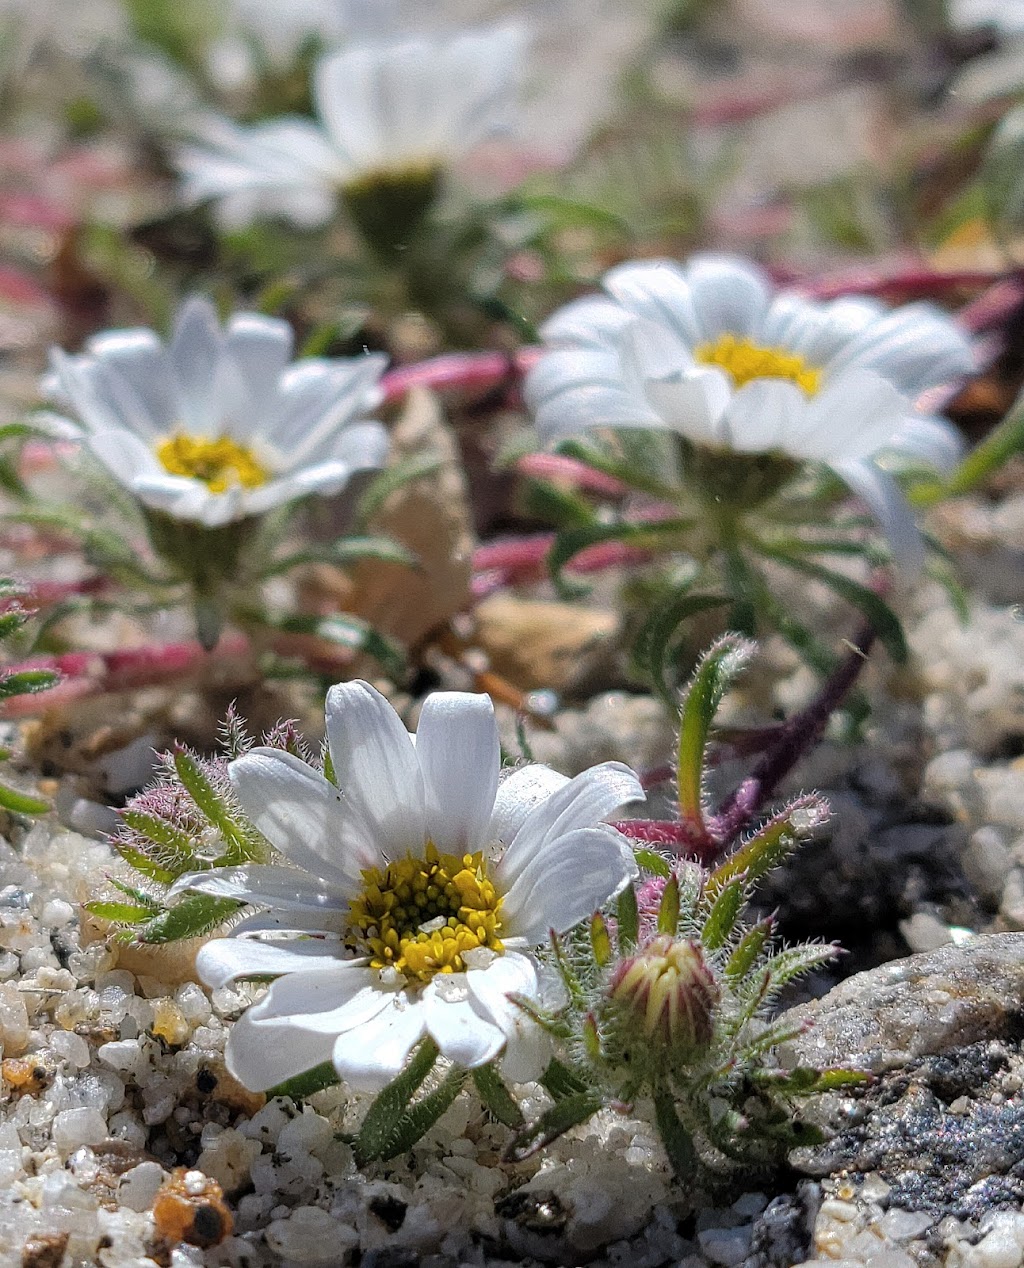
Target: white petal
{"x": 370, "y": 1056}
{"x": 360, "y": 446}
{"x": 463, "y": 1035}
{"x": 460, "y": 757}
{"x": 260, "y": 348}
{"x": 528, "y": 1047}
{"x": 817, "y": 332}
{"x": 589, "y": 321}
{"x": 186, "y": 499}
{"x": 195, "y": 354}
{"x": 659, "y": 291}
{"x": 930, "y": 440}
{"x": 261, "y": 1056}
{"x": 265, "y": 884}
{"x": 915, "y": 347}
{"x": 224, "y": 960}
{"x": 693, "y": 406}
{"x": 302, "y": 815}
{"x": 326, "y": 1002}
{"x": 124, "y": 455}
{"x": 730, "y": 295}
{"x": 139, "y": 361}
{"x": 568, "y": 878}
{"x": 885, "y": 500}
{"x": 854, "y": 415}
{"x": 763, "y": 415}
{"x": 376, "y": 767}
{"x": 581, "y": 803}
{"x": 518, "y": 794}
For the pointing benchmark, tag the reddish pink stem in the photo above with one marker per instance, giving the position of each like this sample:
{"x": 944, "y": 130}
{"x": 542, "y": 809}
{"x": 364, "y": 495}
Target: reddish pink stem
{"x": 518, "y": 560}
{"x": 908, "y": 279}
{"x": 467, "y": 371}
{"x": 558, "y": 468}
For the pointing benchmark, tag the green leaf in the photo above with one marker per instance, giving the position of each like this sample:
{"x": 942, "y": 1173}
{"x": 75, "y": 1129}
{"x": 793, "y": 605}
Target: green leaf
{"x": 628, "y": 918}
{"x": 119, "y": 913}
{"x": 496, "y": 1097}
{"x": 572, "y": 213}
{"x": 655, "y": 640}
{"x": 146, "y": 866}
{"x": 723, "y": 916}
{"x": 305, "y": 1085}
{"x": 345, "y": 552}
{"x": 138, "y": 896}
{"x": 710, "y": 682}
{"x": 27, "y": 682}
{"x": 390, "y": 481}
{"x": 378, "y": 1126}
{"x": 560, "y": 1081}
{"x": 177, "y": 848}
{"x": 560, "y": 1118}
{"x": 194, "y": 915}
{"x": 749, "y": 948}
{"x": 214, "y": 808}
{"x": 677, "y": 1140}
{"x": 668, "y": 908}
{"x": 422, "y": 1115}
{"x": 882, "y": 618}
{"x": 566, "y": 971}
{"x": 794, "y": 962}
{"x": 20, "y": 803}
{"x": 600, "y": 941}
{"x": 561, "y": 508}
{"x": 771, "y": 844}
{"x": 652, "y": 861}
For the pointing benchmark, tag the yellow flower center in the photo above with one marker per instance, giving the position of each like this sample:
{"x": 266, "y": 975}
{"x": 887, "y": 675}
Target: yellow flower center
{"x": 218, "y": 463}
{"x": 421, "y": 916}
{"x": 745, "y": 360}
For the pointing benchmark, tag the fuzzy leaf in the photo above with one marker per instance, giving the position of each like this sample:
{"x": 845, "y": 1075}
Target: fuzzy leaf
{"x": 27, "y": 682}
{"x": 600, "y": 941}
{"x": 565, "y": 1114}
{"x": 713, "y": 676}
{"x": 304, "y": 1085}
{"x": 651, "y": 536}
{"x": 345, "y": 552}
{"x": 653, "y": 862}
{"x": 677, "y": 1140}
{"x": 119, "y": 913}
{"x": 21, "y": 803}
{"x": 177, "y": 849}
{"x": 390, "y": 481}
{"x": 496, "y": 1097}
{"x": 560, "y": 1081}
{"x": 352, "y": 634}
{"x": 377, "y": 1130}
{"x": 629, "y": 919}
{"x": 213, "y": 806}
{"x": 795, "y": 961}
{"x": 566, "y": 971}
{"x": 656, "y": 640}
{"x": 723, "y": 916}
{"x": 138, "y": 896}
{"x": 146, "y": 866}
{"x": 767, "y": 848}
{"x": 749, "y": 948}
{"x": 422, "y": 1115}
{"x": 194, "y": 915}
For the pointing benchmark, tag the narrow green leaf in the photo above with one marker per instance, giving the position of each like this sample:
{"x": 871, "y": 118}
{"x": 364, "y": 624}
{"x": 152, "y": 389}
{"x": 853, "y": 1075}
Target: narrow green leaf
{"x": 650, "y": 536}
{"x": 794, "y": 962}
{"x": 628, "y": 919}
{"x": 20, "y": 803}
{"x": 566, "y": 971}
{"x": 213, "y": 806}
{"x": 716, "y": 671}
{"x": 378, "y": 1126}
{"x": 652, "y": 861}
{"x": 600, "y": 940}
{"x": 749, "y": 948}
{"x": 771, "y": 844}
{"x": 27, "y": 682}
{"x": 421, "y": 1116}
{"x": 390, "y": 481}
{"x": 146, "y": 866}
{"x": 177, "y": 849}
{"x": 138, "y": 896}
{"x": 657, "y": 636}
{"x": 678, "y": 1142}
{"x": 194, "y": 915}
{"x": 723, "y": 916}
{"x": 998, "y": 446}
{"x": 883, "y": 619}
{"x": 496, "y": 1098}
{"x": 345, "y": 552}
{"x": 668, "y": 908}
{"x": 352, "y": 634}
{"x": 560, "y": 1081}
{"x": 119, "y": 913}
{"x": 304, "y": 1085}
{"x": 565, "y": 1114}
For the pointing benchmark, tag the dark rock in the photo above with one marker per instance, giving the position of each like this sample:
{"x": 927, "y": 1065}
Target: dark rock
{"x": 783, "y": 1231}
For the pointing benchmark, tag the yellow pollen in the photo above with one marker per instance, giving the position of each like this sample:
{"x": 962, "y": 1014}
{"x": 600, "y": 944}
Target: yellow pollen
{"x": 744, "y": 360}
{"x": 220, "y": 463}
{"x": 421, "y": 915}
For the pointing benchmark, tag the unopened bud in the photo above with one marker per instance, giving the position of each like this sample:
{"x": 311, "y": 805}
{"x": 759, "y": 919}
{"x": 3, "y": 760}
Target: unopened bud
{"x": 670, "y": 989}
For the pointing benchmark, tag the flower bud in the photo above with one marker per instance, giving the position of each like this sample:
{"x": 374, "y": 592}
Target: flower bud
{"x": 670, "y": 989}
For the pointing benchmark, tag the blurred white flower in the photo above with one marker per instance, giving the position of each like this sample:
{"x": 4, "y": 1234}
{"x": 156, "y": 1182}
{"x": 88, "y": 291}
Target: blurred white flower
{"x": 386, "y": 108}
{"x": 420, "y": 883}
{"x": 709, "y": 351}
{"x": 1007, "y": 16}
{"x": 220, "y": 424}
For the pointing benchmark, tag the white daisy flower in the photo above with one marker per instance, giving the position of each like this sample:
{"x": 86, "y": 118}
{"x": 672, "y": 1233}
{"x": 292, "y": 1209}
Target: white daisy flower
{"x": 708, "y": 350}
{"x": 221, "y": 424}
{"x": 1007, "y": 16}
{"x": 419, "y": 885}
{"x": 395, "y": 110}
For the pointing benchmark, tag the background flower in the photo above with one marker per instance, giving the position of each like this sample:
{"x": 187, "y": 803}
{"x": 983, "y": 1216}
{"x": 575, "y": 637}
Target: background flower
{"x": 709, "y": 351}
{"x": 220, "y": 424}
{"x": 426, "y": 879}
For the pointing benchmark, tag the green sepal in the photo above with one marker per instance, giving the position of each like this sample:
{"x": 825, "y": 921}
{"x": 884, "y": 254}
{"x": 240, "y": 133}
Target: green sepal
{"x": 668, "y": 908}
{"x": 652, "y": 861}
{"x": 749, "y": 948}
{"x": 600, "y": 940}
{"x": 560, "y": 1118}
{"x": 496, "y": 1098}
